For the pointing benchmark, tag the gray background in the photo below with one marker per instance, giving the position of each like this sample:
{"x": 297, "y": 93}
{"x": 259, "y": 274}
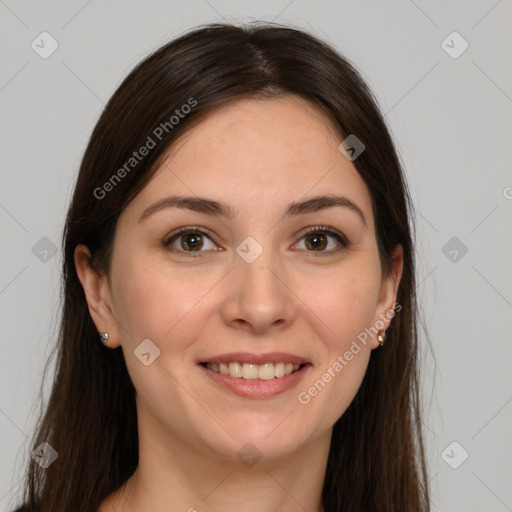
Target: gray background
{"x": 449, "y": 116}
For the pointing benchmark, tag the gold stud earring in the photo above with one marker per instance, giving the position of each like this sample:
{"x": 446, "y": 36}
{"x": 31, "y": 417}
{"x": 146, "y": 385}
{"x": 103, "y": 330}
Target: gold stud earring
{"x": 381, "y": 336}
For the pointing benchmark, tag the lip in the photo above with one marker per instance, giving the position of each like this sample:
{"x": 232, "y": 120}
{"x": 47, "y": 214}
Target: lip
{"x": 248, "y": 358}
{"x": 255, "y": 388}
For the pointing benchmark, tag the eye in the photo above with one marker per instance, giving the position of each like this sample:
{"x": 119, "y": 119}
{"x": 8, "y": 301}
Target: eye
{"x": 189, "y": 239}
{"x": 316, "y": 239}
{"x": 192, "y": 240}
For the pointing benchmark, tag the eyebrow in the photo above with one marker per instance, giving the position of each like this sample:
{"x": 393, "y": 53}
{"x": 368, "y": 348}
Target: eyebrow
{"x": 220, "y": 209}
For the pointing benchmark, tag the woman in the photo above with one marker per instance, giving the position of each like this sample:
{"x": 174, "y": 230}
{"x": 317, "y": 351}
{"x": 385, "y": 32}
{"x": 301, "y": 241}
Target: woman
{"x": 240, "y": 324}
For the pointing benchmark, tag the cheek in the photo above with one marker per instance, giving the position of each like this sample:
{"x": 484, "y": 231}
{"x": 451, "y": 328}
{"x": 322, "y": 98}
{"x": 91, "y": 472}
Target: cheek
{"x": 156, "y": 303}
{"x": 167, "y": 309}
{"x": 347, "y": 311}
{"x": 347, "y": 306}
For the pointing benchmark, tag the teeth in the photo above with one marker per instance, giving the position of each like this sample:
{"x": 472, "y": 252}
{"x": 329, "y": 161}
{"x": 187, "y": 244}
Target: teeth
{"x": 249, "y": 371}
{"x": 235, "y": 370}
{"x": 279, "y": 369}
{"x": 267, "y": 371}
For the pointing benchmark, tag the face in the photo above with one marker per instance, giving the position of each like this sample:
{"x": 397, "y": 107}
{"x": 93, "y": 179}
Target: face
{"x": 273, "y": 282}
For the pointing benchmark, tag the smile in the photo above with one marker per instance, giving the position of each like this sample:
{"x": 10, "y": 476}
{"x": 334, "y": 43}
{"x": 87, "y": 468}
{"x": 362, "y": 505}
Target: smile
{"x": 248, "y": 371}
{"x": 255, "y": 381}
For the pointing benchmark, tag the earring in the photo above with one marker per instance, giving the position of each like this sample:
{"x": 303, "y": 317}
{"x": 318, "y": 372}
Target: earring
{"x": 381, "y": 336}
{"x": 104, "y": 337}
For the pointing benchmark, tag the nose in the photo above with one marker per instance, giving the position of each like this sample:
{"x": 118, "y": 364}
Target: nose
{"x": 258, "y": 297}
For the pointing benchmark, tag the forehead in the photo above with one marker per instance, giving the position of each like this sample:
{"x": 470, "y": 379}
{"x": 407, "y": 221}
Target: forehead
{"x": 271, "y": 130}
{"x": 256, "y": 152}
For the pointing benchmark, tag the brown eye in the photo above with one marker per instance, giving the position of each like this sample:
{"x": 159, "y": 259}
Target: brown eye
{"x": 189, "y": 240}
{"x": 317, "y": 239}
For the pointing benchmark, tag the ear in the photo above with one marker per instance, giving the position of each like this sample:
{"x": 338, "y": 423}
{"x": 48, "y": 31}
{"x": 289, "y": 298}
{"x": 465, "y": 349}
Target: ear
{"x": 97, "y": 293}
{"x": 389, "y": 288}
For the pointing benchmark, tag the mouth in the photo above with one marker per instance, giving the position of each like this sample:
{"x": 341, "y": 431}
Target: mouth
{"x": 250, "y": 371}
{"x": 255, "y": 376}
{"x": 255, "y": 381}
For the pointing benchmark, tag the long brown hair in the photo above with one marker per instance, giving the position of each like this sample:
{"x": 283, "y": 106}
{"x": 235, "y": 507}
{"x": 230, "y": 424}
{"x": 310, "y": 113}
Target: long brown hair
{"x": 377, "y": 461}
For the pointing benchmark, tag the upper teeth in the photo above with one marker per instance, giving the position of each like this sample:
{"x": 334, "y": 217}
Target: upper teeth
{"x": 265, "y": 371}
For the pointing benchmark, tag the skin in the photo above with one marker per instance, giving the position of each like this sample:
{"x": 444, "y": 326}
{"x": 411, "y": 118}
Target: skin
{"x": 257, "y": 155}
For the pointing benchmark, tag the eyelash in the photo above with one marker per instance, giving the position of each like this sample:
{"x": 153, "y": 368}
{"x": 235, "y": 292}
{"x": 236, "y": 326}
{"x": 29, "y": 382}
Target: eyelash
{"x": 343, "y": 241}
